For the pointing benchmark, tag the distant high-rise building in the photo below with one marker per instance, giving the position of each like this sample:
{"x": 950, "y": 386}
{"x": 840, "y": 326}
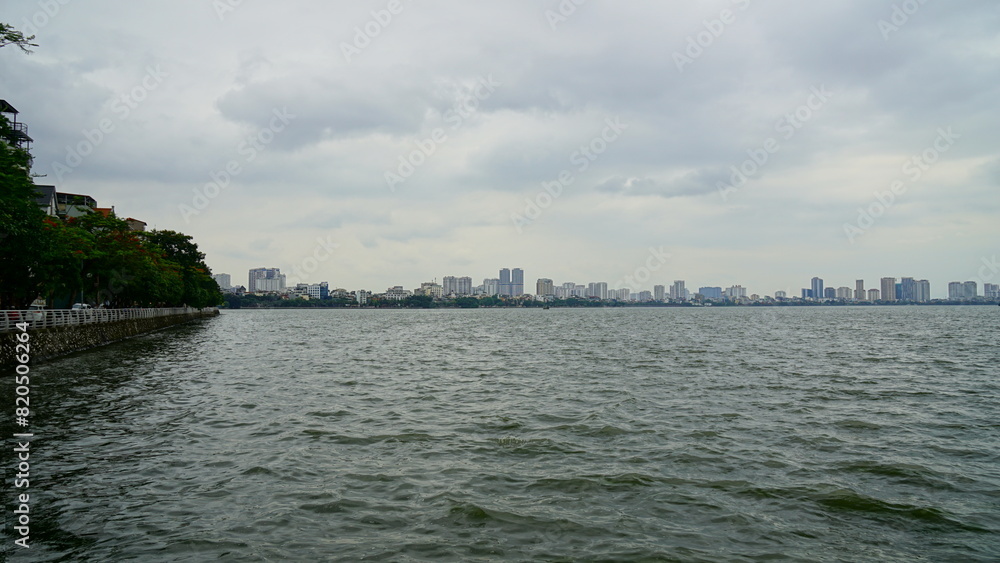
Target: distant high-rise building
{"x": 644, "y": 295}
{"x": 711, "y": 292}
{"x": 266, "y": 279}
{"x": 736, "y": 292}
{"x": 807, "y": 293}
{"x": 921, "y": 291}
{"x": 970, "y": 290}
{"x": 873, "y": 294}
{"x": 449, "y": 285}
{"x": 659, "y": 292}
{"x": 888, "y": 289}
{"x": 991, "y": 291}
{"x": 830, "y": 293}
{"x": 491, "y": 286}
{"x": 225, "y": 281}
{"x": 844, "y": 293}
{"x": 780, "y": 294}
{"x": 859, "y": 290}
{"x": 955, "y": 292}
{"x": 544, "y": 287}
{"x": 677, "y": 291}
{"x": 320, "y": 290}
{"x": 517, "y": 281}
{"x": 505, "y": 285}
{"x": 906, "y": 289}
{"x": 817, "y": 288}
{"x": 601, "y": 290}
{"x": 464, "y": 286}
{"x": 959, "y": 291}
{"x": 619, "y": 294}
{"x": 598, "y": 290}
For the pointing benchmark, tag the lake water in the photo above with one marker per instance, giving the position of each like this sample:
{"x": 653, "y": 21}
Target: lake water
{"x": 641, "y": 434}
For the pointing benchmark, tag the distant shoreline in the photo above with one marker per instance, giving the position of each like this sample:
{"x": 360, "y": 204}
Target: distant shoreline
{"x": 624, "y": 306}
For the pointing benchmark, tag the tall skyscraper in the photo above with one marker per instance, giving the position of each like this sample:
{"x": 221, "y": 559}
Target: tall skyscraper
{"x": 266, "y": 279}
{"x": 464, "y": 286}
{"x": 225, "y": 281}
{"x": 817, "y": 288}
{"x": 906, "y": 287}
{"x": 491, "y": 286}
{"x": 677, "y": 290}
{"x": 449, "y": 285}
{"x": 659, "y": 292}
{"x": 859, "y": 290}
{"x": 598, "y": 290}
{"x": 517, "y": 282}
{"x": 736, "y": 292}
{"x": 544, "y": 287}
{"x": 970, "y": 290}
{"x": 955, "y": 292}
{"x": 505, "y": 287}
{"x": 888, "y": 289}
{"x": 710, "y": 292}
{"x": 922, "y": 291}
{"x": 991, "y": 291}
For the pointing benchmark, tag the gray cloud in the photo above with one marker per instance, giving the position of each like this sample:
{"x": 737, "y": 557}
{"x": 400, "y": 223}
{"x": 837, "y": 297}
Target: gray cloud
{"x": 657, "y": 184}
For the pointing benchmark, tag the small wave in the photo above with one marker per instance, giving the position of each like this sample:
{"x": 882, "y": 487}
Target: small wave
{"x": 342, "y": 505}
{"x": 858, "y": 425}
{"x": 904, "y": 473}
{"x": 257, "y": 470}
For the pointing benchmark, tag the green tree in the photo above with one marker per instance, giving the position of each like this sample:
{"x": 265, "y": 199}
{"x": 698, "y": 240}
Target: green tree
{"x": 11, "y": 36}
{"x": 198, "y": 289}
{"x": 21, "y": 229}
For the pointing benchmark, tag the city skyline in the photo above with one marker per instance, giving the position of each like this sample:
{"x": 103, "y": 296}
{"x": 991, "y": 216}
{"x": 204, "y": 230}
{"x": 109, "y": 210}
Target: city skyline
{"x": 887, "y": 288}
{"x": 569, "y": 145}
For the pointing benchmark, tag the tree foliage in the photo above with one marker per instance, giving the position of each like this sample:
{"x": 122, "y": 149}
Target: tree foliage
{"x": 93, "y": 258}
{"x": 11, "y": 36}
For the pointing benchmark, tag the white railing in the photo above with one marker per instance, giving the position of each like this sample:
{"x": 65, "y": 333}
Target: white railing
{"x": 48, "y": 318}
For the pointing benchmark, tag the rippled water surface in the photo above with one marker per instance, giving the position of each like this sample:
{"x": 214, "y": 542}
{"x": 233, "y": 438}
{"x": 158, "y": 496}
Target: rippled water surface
{"x": 801, "y": 434}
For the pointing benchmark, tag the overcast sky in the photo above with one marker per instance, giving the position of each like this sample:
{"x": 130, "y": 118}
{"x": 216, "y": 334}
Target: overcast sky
{"x": 403, "y": 141}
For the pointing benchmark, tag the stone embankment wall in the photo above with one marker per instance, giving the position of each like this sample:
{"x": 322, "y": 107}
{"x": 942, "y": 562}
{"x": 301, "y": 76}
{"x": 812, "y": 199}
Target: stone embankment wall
{"x": 48, "y": 343}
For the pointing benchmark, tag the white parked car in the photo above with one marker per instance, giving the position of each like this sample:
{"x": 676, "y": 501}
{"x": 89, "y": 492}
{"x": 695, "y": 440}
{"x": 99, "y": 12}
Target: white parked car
{"x": 36, "y": 313}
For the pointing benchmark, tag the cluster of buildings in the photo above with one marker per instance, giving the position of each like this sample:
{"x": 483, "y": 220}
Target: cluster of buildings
{"x": 52, "y": 202}
{"x": 510, "y": 284}
{"x": 906, "y": 290}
